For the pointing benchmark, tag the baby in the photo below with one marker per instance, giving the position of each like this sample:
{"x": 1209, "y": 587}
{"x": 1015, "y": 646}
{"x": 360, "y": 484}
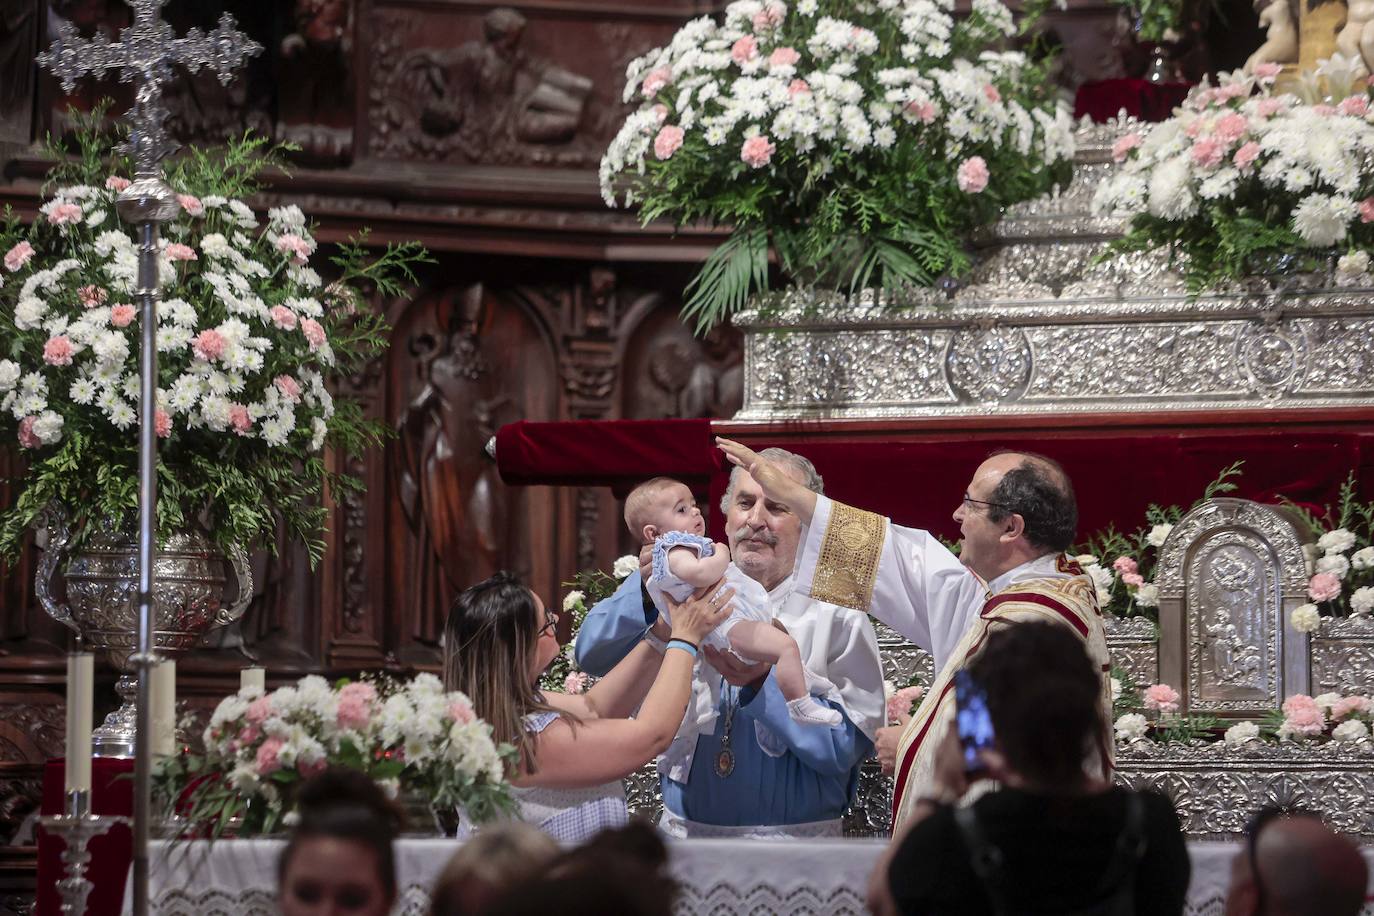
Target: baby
{"x": 662, "y": 512}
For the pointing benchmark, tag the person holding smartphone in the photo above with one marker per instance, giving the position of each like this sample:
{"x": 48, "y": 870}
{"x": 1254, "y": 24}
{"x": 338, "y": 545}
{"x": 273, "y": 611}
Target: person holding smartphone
{"x": 1056, "y": 838}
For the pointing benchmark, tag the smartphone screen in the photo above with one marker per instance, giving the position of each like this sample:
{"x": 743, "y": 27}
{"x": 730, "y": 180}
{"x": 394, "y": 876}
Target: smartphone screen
{"x": 972, "y": 720}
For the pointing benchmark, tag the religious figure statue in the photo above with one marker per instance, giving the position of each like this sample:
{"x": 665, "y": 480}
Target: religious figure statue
{"x": 449, "y": 489}
{"x": 1279, "y": 18}
{"x": 487, "y": 94}
{"x": 316, "y": 94}
{"x": 1356, "y": 39}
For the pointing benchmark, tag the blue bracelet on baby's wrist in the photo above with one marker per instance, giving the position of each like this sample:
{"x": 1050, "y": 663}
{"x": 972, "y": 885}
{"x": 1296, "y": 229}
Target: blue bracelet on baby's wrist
{"x": 684, "y": 645}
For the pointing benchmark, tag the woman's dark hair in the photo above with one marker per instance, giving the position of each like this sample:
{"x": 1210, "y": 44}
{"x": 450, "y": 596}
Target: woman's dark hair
{"x": 346, "y": 804}
{"x": 1044, "y": 696}
{"x": 489, "y": 641}
{"x": 1040, "y": 492}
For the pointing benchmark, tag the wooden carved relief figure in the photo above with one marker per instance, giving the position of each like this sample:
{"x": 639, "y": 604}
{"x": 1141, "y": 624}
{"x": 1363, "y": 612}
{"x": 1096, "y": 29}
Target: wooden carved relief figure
{"x": 315, "y": 105}
{"x": 450, "y": 492}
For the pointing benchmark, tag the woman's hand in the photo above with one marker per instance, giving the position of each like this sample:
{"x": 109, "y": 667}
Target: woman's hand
{"x": 696, "y": 617}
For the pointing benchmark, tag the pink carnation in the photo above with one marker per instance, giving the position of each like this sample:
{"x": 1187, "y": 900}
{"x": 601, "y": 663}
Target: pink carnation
{"x": 312, "y": 769}
{"x": 1356, "y": 106}
{"x": 1246, "y": 155}
{"x": 1124, "y": 145}
{"x": 1324, "y": 587}
{"x": 668, "y": 141}
{"x": 239, "y": 419}
{"x": 1125, "y": 565}
{"x": 18, "y": 256}
{"x": 660, "y": 112}
{"x": 1303, "y": 716}
{"x": 191, "y": 204}
{"x": 1194, "y": 128}
{"x": 259, "y": 710}
{"x": 1230, "y": 128}
{"x": 314, "y": 333}
{"x": 757, "y": 151}
{"x": 973, "y": 175}
{"x": 769, "y": 17}
{"x": 1299, "y": 702}
{"x": 1347, "y": 706}
{"x": 288, "y": 387}
{"x": 744, "y": 49}
{"x": 798, "y": 87}
{"x": 1367, "y": 210}
{"x": 655, "y": 80}
{"x": 1325, "y": 111}
{"x": 64, "y": 213}
{"x": 297, "y": 247}
{"x": 1134, "y": 580}
{"x": 92, "y": 296}
{"x": 924, "y": 111}
{"x": 122, "y": 315}
{"x": 267, "y": 762}
{"x": 461, "y": 711}
{"x": 353, "y": 711}
{"x": 179, "y": 252}
{"x": 575, "y": 682}
{"x": 783, "y": 57}
{"x": 1161, "y": 697}
{"x": 1267, "y": 108}
{"x": 991, "y": 92}
{"x": 162, "y": 423}
{"x": 1208, "y": 152}
{"x": 209, "y": 345}
{"x": 58, "y": 351}
{"x": 115, "y": 183}
{"x": 900, "y": 703}
{"x": 27, "y": 439}
{"x": 1267, "y": 70}
{"x": 248, "y": 735}
{"x": 283, "y": 317}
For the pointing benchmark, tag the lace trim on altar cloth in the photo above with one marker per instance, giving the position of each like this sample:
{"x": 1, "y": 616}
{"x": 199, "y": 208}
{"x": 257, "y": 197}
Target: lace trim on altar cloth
{"x": 847, "y": 568}
{"x": 716, "y": 899}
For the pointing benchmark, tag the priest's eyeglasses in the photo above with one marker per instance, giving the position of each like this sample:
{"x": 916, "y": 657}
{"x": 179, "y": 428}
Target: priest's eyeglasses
{"x": 970, "y": 502}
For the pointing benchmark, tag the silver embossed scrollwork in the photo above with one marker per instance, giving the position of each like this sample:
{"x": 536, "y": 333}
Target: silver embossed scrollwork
{"x": 52, "y": 521}
{"x": 237, "y": 561}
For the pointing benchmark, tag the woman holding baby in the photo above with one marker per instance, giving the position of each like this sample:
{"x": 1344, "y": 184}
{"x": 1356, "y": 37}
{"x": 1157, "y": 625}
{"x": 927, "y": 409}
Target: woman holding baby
{"x": 572, "y": 751}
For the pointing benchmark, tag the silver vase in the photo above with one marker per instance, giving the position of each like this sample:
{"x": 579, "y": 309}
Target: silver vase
{"x": 102, "y": 602}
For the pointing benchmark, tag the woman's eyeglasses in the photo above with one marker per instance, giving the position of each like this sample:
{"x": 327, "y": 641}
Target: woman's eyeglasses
{"x": 550, "y": 623}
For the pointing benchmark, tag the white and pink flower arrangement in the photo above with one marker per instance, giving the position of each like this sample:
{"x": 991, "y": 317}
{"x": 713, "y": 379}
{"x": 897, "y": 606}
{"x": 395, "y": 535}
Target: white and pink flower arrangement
{"x": 862, "y": 143}
{"x": 249, "y": 335}
{"x": 901, "y": 702}
{"x": 1342, "y": 572}
{"x": 412, "y": 738}
{"x": 1242, "y": 179}
{"x": 1329, "y": 717}
{"x": 586, "y": 589}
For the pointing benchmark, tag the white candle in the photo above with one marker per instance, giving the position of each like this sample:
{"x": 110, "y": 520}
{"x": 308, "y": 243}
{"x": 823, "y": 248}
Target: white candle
{"x": 164, "y": 707}
{"x": 80, "y": 684}
{"x": 253, "y": 677}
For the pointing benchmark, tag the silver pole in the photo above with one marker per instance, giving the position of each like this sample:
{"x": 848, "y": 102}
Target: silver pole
{"x": 147, "y": 530}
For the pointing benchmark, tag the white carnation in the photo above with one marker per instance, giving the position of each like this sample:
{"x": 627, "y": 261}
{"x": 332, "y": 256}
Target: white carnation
{"x": 1102, "y": 582}
{"x": 1147, "y": 595}
{"x": 1241, "y": 732}
{"x": 1170, "y": 194}
{"x": 1131, "y": 727}
{"x": 9, "y": 374}
{"x": 1335, "y": 564}
{"x": 1305, "y": 618}
{"x": 1158, "y": 534}
{"x": 1363, "y": 559}
{"x": 572, "y": 599}
{"x": 1350, "y": 730}
{"x": 1362, "y": 601}
{"x": 1338, "y": 541}
{"x": 1323, "y": 220}
{"x": 1116, "y": 689}
{"x": 48, "y": 427}
{"x": 625, "y": 565}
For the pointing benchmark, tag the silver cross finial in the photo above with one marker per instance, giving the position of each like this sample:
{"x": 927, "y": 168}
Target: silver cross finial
{"x": 144, "y": 55}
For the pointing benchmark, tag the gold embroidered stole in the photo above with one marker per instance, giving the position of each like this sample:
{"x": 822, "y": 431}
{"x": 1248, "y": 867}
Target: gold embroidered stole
{"x": 847, "y": 567}
{"x": 1071, "y": 602}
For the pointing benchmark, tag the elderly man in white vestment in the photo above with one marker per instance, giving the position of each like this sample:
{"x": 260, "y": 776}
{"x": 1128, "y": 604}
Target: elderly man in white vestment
{"x": 1017, "y": 518}
{"x": 757, "y": 773}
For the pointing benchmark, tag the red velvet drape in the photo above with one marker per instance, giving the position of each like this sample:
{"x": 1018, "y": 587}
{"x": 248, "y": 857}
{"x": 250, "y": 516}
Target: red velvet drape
{"x": 112, "y": 792}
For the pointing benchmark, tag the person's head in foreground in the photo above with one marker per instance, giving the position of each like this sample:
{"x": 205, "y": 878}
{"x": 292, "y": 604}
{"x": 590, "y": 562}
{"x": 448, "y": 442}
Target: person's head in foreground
{"x": 621, "y": 871}
{"x": 764, "y": 534}
{"x": 498, "y": 640}
{"x": 339, "y": 860}
{"x": 658, "y": 506}
{"x": 1018, "y": 506}
{"x": 1043, "y": 696}
{"x": 496, "y": 859}
{"x": 1294, "y": 865}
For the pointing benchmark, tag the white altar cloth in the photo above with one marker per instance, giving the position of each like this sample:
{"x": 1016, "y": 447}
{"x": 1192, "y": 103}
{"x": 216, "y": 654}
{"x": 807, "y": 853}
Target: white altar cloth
{"x": 804, "y": 877}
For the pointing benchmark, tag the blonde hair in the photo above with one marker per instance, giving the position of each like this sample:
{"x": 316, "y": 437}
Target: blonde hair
{"x": 641, "y": 501}
{"x": 495, "y": 859}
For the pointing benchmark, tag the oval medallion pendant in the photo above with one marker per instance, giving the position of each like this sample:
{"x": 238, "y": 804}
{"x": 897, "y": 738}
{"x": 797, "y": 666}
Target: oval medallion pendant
{"x": 725, "y": 762}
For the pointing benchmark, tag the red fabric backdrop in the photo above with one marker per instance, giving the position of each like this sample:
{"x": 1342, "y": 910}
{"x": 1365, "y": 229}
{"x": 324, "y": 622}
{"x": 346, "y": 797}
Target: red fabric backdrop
{"x": 1116, "y": 473}
{"x": 112, "y": 792}
{"x": 1141, "y": 99}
